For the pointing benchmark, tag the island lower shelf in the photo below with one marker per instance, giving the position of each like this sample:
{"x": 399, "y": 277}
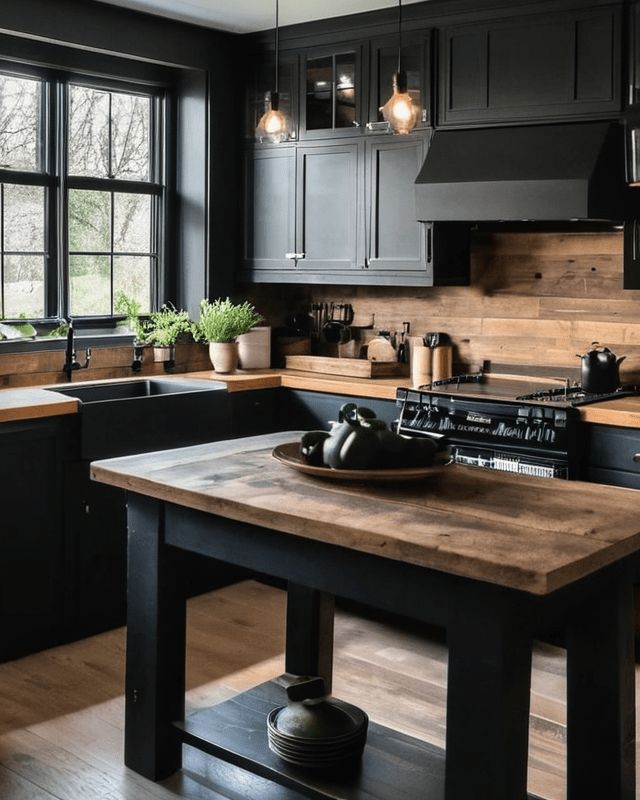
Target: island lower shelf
{"x": 393, "y": 766}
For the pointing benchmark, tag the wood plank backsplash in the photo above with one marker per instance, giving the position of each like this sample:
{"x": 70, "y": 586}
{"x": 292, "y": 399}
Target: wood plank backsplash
{"x": 535, "y": 300}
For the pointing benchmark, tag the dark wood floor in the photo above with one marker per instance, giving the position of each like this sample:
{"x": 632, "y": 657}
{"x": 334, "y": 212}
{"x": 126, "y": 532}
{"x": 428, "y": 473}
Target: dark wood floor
{"x": 61, "y": 711}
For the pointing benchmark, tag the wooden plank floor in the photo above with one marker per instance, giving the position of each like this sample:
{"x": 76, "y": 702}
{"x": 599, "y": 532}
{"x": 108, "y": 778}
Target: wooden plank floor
{"x": 61, "y": 711}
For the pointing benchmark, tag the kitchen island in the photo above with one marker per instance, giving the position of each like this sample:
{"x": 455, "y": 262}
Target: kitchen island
{"x": 494, "y": 559}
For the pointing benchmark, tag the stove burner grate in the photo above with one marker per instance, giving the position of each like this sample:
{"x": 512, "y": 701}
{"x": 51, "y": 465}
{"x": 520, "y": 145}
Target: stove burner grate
{"x": 576, "y": 396}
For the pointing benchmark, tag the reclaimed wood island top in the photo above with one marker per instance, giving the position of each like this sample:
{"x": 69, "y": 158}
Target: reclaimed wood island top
{"x": 531, "y": 534}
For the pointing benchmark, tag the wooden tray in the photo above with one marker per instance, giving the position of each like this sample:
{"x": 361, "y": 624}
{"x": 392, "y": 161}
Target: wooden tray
{"x": 348, "y": 367}
{"x": 289, "y": 455}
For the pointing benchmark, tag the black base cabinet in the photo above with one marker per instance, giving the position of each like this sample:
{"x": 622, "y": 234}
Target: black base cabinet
{"x": 269, "y": 410}
{"x": 32, "y": 558}
{"x": 613, "y": 455}
{"x": 96, "y": 538}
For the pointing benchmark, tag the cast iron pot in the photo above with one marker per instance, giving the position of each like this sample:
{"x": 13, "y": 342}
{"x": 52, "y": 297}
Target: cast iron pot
{"x": 599, "y": 370}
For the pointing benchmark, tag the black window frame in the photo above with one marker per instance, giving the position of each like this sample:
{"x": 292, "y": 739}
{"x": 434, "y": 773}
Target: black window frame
{"x": 53, "y": 176}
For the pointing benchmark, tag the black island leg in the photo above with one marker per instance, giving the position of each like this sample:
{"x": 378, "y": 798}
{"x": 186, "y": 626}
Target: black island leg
{"x": 156, "y": 619}
{"x": 488, "y": 691}
{"x": 601, "y": 696}
{"x": 309, "y": 638}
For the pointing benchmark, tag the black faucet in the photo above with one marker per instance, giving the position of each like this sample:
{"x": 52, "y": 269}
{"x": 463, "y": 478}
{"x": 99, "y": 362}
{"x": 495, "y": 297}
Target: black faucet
{"x": 70, "y": 362}
{"x": 138, "y": 354}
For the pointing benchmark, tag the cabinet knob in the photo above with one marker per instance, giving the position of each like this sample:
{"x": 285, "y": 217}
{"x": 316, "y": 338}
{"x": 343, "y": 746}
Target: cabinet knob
{"x": 636, "y": 457}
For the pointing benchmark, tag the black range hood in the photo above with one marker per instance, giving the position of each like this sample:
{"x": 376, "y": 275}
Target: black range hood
{"x": 545, "y": 172}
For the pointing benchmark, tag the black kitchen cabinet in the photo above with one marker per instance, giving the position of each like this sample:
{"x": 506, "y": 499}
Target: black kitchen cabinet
{"x": 558, "y": 66}
{"x": 332, "y": 96}
{"x": 269, "y": 210}
{"x": 302, "y": 410}
{"x": 415, "y": 61}
{"x": 257, "y": 411}
{"x": 354, "y": 220}
{"x": 96, "y": 536}
{"x": 328, "y": 181}
{"x": 613, "y": 455}
{"x": 261, "y": 80}
{"x": 302, "y": 222}
{"x": 32, "y": 555}
{"x": 394, "y": 241}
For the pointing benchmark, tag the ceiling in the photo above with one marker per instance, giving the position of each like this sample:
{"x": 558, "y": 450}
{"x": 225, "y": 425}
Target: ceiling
{"x": 244, "y": 16}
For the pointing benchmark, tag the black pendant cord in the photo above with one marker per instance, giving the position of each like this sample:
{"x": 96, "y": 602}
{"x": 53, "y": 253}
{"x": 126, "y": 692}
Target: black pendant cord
{"x": 277, "y": 47}
{"x": 399, "y": 32}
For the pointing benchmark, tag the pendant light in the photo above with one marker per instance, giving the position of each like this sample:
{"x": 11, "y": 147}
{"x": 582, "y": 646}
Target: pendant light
{"x": 399, "y": 110}
{"x": 273, "y": 124}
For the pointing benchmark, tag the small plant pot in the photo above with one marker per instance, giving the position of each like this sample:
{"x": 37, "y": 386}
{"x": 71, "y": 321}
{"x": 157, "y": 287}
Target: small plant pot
{"x": 224, "y": 356}
{"x": 164, "y": 353}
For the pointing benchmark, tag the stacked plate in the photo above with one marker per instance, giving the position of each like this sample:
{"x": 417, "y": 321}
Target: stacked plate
{"x": 319, "y": 748}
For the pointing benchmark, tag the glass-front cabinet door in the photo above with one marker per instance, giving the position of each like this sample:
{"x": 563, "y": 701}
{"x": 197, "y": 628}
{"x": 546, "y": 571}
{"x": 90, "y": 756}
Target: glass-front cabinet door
{"x": 261, "y": 81}
{"x": 331, "y": 96}
{"x": 415, "y": 61}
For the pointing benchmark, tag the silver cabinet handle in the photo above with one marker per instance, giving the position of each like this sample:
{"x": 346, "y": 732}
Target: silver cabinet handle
{"x": 636, "y": 457}
{"x": 294, "y": 256}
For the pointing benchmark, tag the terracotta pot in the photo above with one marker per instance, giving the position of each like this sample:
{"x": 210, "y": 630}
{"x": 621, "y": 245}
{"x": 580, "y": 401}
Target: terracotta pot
{"x": 224, "y": 356}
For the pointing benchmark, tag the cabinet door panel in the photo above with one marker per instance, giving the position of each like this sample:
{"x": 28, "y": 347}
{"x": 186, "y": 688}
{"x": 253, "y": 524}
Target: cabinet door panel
{"x": 552, "y": 65}
{"x": 416, "y": 62}
{"x": 31, "y": 546}
{"x": 328, "y": 199}
{"x": 331, "y": 91}
{"x": 261, "y": 80}
{"x": 614, "y": 448}
{"x": 467, "y": 70}
{"x": 395, "y": 238}
{"x": 270, "y": 188}
{"x": 538, "y": 67}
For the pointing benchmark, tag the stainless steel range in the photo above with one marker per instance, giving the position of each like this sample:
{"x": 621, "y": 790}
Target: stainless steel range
{"x": 527, "y": 437}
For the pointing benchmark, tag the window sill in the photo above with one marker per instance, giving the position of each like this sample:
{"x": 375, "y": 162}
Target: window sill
{"x": 82, "y": 340}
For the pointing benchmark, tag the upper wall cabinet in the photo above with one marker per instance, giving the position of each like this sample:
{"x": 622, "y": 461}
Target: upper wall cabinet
{"x": 415, "y": 61}
{"x": 261, "y": 81}
{"x": 533, "y": 68}
{"x": 332, "y": 98}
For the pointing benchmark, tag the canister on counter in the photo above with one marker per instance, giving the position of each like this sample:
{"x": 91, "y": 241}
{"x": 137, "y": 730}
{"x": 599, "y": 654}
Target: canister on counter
{"x": 441, "y": 355}
{"x": 420, "y": 360}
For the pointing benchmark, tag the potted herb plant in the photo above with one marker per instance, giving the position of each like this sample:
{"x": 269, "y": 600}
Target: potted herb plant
{"x": 221, "y": 322}
{"x": 129, "y": 307}
{"x": 163, "y": 328}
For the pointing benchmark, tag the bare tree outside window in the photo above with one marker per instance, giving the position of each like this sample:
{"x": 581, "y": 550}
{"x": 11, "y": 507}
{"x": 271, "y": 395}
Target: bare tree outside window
{"x": 110, "y": 232}
{"x": 20, "y": 116}
{"x": 108, "y": 239}
{"x": 23, "y": 246}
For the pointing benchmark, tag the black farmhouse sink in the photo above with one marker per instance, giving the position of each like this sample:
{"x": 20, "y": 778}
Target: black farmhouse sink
{"x": 125, "y": 417}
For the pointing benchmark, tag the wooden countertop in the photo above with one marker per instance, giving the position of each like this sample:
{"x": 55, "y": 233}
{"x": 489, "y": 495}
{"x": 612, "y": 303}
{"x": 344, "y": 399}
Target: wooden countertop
{"x": 31, "y": 403}
{"x": 24, "y": 404}
{"x": 531, "y": 534}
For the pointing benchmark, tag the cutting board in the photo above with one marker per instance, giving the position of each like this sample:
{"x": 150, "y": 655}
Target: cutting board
{"x": 349, "y": 367}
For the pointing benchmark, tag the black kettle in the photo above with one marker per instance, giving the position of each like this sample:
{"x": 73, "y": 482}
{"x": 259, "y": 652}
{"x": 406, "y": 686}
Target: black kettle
{"x": 599, "y": 370}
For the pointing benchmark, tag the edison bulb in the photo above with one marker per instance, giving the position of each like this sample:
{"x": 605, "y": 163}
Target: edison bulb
{"x": 273, "y": 123}
{"x": 399, "y": 110}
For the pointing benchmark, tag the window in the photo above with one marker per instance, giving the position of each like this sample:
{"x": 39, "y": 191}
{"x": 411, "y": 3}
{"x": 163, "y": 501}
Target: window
{"x": 23, "y": 198}
{"x": 81, "y": 196}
